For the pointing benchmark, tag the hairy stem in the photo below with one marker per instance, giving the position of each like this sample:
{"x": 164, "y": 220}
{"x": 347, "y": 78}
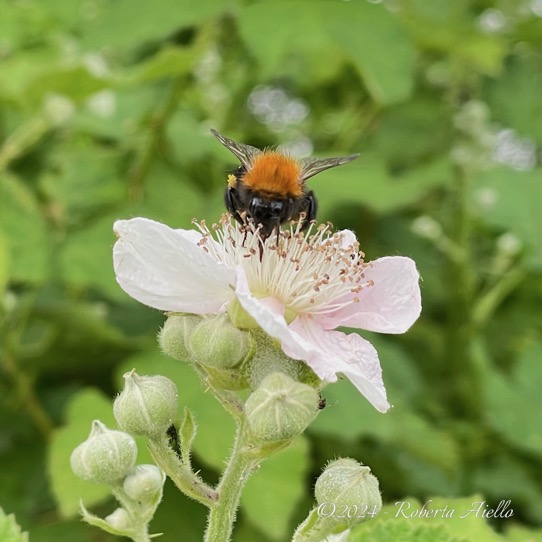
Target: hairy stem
{"x": 466, "y": 386}
{"x": 240, "y": 466}
{"x": 25, "y": 390}
{"x": 181, "y": 474}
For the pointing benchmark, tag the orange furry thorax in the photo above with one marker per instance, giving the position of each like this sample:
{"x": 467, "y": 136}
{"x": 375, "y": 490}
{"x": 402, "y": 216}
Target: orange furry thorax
{"x": 274, "y": 173}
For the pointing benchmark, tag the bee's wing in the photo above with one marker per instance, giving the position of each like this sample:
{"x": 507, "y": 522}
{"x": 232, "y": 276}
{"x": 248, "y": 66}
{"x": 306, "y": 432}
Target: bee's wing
{"x": 245, "y": 153}
{"x": 312, "y": 166}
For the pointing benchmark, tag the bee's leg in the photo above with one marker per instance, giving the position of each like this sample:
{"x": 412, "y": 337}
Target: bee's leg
{"x": 309, "y": 208}
{"x": 231, "y": 199}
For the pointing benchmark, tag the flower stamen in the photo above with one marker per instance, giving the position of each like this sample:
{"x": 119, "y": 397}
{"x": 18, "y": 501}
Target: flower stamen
{"x": 306, "y": 271}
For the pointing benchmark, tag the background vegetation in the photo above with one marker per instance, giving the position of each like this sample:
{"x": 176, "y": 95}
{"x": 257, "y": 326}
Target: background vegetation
{"x": 105, "y": 111}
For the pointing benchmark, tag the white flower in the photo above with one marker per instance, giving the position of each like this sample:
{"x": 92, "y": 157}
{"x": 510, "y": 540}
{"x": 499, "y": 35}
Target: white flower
{"x": 297, "y": 286}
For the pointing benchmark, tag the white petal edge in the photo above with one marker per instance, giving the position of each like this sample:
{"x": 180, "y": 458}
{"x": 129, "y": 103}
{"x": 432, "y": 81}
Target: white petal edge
{"x": 391, "y": 305}
{"x": 165, "y": 269}
{"x": 350, "y": 355}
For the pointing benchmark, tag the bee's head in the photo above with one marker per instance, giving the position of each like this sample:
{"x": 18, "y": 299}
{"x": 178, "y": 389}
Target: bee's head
{"x": 269, "y": 213}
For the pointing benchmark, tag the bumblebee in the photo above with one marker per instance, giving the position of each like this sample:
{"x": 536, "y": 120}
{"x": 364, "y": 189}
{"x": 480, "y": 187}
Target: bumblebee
{"x": 269, "y": 186}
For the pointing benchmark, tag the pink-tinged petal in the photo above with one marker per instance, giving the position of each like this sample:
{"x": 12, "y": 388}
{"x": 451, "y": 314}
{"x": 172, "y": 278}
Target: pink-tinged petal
{"x": 350, "y": 355}
{"x": 164, "y": 268}
{"x": 390, "y": 305}
{"x": 269, "y": 314}
{"x": 326, "y": 352}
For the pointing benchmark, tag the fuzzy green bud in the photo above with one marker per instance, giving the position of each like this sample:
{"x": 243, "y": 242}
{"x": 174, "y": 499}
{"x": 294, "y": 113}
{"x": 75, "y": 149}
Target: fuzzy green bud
{"x": 173, "y": 337}
{"x": 346, "y": 484}
{"x": 216, "y": 342}
{"x": 269, "y": 358}
{"x": 281, "y": 408}
{"x": 144, "y": 483}
{"x": 147, "y": 405}
{"x": 120, "y": 520}
{"x": 240, "y": 317}
{"x": 105, "y": 457}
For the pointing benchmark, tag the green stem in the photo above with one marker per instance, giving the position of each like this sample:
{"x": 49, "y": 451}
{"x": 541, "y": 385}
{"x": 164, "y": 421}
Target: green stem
{"x": 229, "y": 400}
{"x": 181, "y": 474}
{"x": 26, "y": 392}
{"x": 24, "y": 138}
{"x": 489, "y": 302}
{"x": 313, "y": 529}
{"x": 158, "y": 124}
{"x": 240, "y": 466}
{"x": 465, "y": 387}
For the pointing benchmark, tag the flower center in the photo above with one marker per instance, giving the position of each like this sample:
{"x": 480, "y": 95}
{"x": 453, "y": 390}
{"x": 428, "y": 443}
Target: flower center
{"x": 314, "y": 272}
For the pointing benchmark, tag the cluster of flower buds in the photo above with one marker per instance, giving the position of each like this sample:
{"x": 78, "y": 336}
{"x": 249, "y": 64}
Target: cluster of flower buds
{"x": 109, "y": 457}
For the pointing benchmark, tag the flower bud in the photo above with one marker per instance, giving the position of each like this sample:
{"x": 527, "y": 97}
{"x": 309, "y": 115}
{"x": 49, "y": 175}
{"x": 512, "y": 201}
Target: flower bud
{"x": 240, "y": 318}
{"x": 147, "y": 405}
{"x": 105, "y": 457}
{"x": 120, "y": 520}
{"x": 216, "y": 342}
{"x": 346, "y": 484}
{"x": 144, "y": 483}
{"x": 173, "y": 337}
{"x": 281, "y": 408}
{"x": 269, "y": 358}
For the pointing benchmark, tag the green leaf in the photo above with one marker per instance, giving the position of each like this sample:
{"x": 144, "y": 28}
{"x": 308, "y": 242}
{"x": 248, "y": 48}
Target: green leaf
{"x": 82, "y": 180}
{"x": 493, "y": 476}
{"x": 169, "y": 198}
{"x": 517, "y": 533}
{"x": 179, "y": 517}
{"x": 377, "y": 46}
{"x": 514, "y": 98}
{"x": 4, "y": 263}
{"x": 452, "y": 520}
{"x": 64, "y": 531}
{"x": 87, "y": 257}
{"x": 466, "y": 522}
{"x": 76, "y": 83}
{"x": 349, "y": 416}
{"x": 9, "y": 530}
{"x": 273, "y": 493}
{"x": 514, "y": 401}
{"x": 140, "y": 24}
{"x": 168, "y": 62}
{"x": 367, "y": 34}
{"x": 401, "y": 531}
{"x": 187, "y": 433}
{"x": 122, "y": 113}
{"x": 367, "y": 182}
{"x": 21, "y": 26}
{"x": 393, "y": 142}
{"x": 515, "y": 208}
{"x": 449, "y": 28}
{"x": 20, "y": 69}
{"x": 26, "y": 231}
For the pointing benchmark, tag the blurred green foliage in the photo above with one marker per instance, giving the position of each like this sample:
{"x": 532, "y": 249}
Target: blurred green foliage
{"x": 105, "y": 110}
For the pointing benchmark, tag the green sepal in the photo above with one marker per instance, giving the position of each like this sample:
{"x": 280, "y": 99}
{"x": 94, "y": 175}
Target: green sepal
{"x": 187, "y": 434}
{"x": 96, "y": 521}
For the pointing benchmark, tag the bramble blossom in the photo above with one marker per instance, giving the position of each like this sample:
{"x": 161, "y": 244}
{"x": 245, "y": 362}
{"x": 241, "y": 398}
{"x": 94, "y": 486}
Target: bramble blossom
{"x": 297, "y": 286}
